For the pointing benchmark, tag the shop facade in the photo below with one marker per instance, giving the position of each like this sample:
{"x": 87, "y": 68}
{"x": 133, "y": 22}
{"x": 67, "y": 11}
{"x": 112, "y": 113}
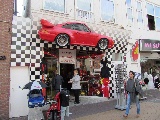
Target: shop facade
{"x": 27, "y": 51}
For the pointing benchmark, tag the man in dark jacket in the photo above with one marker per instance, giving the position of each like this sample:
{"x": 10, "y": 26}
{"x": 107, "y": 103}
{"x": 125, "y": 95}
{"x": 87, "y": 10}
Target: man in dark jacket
{"x": 57, "y": 82}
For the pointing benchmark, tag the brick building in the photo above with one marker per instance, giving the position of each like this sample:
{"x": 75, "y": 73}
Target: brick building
{"x": 6, "y": 10}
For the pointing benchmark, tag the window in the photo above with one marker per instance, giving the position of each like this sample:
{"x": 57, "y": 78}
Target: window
{"x": 81, "y": 27}
{"x": 84, "y": 10}
{"x": 67, "y": 26}
{"x": 139, "y": 13}
{"x": 18, "y": 7}
{"x": 129, "y": 11}
{"x": 84, "y": 5}
{"x": 153, "y": 14}
{"x": 54, "y": 5}
{"x": 107, "y": 10}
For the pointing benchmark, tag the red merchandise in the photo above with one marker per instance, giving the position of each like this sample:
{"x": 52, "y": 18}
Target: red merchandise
{"x": 73, "y": 33}
{"x": 106, "y": 91}
{"x": 44, "y": 89}
{"x": 105, "y": 87}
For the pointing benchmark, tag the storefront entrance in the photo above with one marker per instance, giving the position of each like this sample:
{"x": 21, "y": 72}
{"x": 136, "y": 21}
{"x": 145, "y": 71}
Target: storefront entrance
{"x": 66, "y": 71}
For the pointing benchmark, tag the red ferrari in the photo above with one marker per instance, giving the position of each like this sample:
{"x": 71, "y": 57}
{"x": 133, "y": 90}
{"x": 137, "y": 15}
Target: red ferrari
{"x": 73, "y": 33}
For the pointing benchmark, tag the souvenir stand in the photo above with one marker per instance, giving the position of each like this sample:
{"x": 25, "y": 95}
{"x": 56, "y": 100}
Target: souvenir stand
{"x": 120, "y": 72}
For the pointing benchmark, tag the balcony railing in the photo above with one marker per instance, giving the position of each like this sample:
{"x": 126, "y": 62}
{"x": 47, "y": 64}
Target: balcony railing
{"x": 86, "y": 16}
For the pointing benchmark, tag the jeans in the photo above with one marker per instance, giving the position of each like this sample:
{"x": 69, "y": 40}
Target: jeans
{"x": 64, "y": 112}
{"x": 129, "y": 104}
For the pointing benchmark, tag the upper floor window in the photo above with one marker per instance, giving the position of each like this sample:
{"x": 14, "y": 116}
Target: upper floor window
{"x": 85, "y": 5}
{"x": 54, "y": 5}
{"x": 153, "y": 14}
{"x": 107, "y": 10}
{"x": 129, "y": 11}
{"x": 139, "y": 13}
{"x": 84, "y": 10}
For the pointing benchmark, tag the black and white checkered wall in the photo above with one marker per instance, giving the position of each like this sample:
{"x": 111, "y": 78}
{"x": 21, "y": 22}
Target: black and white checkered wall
{"x": 27, "y": 48}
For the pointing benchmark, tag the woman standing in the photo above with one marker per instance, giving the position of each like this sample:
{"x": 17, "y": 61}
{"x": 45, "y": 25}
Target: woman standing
{"x": 133, "y": 90}
{"x": 76, "y": 86}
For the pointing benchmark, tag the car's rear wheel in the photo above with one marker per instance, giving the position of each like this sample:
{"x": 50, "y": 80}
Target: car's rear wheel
{"x": 103, "y": 44}
{"x": 62, "y": 40}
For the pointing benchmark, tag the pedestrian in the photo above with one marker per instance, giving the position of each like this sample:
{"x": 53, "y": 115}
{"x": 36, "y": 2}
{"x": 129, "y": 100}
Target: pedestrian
{"x": 133, "y": 91}
{"x": 76, "y": 86}
{"x": 57, "y": 81}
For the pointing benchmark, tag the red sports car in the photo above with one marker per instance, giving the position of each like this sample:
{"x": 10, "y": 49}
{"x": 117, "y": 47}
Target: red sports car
{"x": 73, "y": 33}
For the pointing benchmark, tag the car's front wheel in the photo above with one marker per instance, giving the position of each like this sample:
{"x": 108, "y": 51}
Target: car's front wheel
{"x": 103, "y": 44}
{"x": 62, "y": 40}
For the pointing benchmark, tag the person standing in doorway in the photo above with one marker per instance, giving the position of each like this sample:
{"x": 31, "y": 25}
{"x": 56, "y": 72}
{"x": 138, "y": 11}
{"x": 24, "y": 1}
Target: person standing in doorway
{"x": 57, "y": 81}
{"x": 76, "y": 86}
{"x": 133, "y": 91}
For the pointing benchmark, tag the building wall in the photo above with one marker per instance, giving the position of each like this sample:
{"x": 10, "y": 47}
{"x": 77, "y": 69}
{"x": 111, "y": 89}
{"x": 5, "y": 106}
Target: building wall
{"x": 6, "y": 12}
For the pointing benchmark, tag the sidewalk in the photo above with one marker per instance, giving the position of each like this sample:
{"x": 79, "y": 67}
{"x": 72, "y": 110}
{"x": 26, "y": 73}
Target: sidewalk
{"x": 95, "y": 108}
{"x": 149, "y": 111}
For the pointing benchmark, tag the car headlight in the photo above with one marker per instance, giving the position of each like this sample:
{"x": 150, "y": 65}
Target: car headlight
{"x": 43, "y": 101}
{"x": 30, "y": 103}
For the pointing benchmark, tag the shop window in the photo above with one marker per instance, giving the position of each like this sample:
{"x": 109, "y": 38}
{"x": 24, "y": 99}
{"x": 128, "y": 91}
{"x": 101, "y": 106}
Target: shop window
{"x": 129, "y": 12}
{"x": 139, "y": 14}
{"x": 54, "y": 5}
{"x": 117, "y": 57}
{"x": 153, "y": 14}
{"x": 107, "y": 10}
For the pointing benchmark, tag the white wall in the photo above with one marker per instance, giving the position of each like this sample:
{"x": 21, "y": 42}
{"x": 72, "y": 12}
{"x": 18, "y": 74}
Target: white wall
{"x": 18, "y": 97}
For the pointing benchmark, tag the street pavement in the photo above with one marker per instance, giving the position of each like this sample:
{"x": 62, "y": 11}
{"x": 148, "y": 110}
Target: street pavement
{"x": 95, "y": 108}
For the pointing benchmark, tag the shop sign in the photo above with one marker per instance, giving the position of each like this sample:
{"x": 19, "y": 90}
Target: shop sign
{"x": 149, "y": 45}
{"x": 135, "y": 51}
{"x": 67, "y": 56}
{"x": 2, "y": 57}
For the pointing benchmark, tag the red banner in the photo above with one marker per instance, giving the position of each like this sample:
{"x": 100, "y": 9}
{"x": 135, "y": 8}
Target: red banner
{"x": 135, "y": 51}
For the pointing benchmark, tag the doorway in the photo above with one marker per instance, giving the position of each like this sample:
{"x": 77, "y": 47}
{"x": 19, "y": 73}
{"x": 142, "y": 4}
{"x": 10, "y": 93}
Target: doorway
{"x": 18, "y": 97}
{"x": 66, "y": 71}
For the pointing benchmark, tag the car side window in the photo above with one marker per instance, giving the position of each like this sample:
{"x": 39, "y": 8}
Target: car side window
{"x": 85, "y": 28}
{"x": 76, "y": 27}
{"x": 80, "y": 27}
{"x": 67, "y": 26}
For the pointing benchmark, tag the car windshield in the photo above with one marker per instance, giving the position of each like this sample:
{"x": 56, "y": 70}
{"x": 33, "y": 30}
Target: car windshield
{"x": 35, "y": 93}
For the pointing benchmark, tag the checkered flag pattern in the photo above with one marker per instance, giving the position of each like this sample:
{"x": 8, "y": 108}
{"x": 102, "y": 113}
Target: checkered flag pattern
{"x": 20, "y": 45}
{"x": 27, "y": 47}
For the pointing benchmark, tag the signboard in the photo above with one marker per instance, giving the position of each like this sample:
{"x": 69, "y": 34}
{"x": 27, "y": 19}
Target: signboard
{"x": 135, "y": 51}
{"x": 149, "y": 45}
{"x": 67, "y": 56}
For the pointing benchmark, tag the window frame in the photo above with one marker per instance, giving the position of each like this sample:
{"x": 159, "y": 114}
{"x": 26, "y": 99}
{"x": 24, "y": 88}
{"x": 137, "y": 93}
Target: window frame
{"x": 65, "y": 8}
{"x": 76, "y": 4}
{"x": 139, "y": 11}
{"x": 154, "y": 5}
{"x": 131, "y": 7}
{"x": 83, "y": 27}
{"x": 113, "y": 18}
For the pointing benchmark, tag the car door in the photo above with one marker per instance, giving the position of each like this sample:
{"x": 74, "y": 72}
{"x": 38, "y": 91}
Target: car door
{"x": 79, "y": 34}
{"x": 91, "y": 38}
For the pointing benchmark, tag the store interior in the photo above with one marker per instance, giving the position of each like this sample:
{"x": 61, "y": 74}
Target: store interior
{"x": 88, "y": 65}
